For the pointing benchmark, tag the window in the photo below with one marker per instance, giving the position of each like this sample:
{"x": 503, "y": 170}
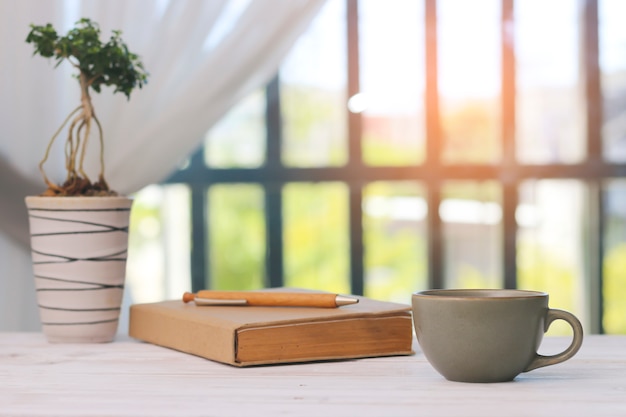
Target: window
{"x": 415, "y": 144}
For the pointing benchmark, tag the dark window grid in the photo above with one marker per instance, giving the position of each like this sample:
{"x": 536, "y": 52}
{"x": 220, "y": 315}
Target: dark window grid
{"x": 272, "y": 176}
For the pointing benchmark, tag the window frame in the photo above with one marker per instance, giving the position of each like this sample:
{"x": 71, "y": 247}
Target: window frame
{"x": 273, "y": 175}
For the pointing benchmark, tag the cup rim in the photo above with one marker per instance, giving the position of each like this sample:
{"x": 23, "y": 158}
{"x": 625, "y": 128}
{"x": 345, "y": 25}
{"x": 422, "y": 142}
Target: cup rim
{"x": 479, "y": 294}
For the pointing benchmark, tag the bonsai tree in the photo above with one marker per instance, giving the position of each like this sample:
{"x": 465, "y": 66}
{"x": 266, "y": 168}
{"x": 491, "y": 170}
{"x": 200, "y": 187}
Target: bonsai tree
{"x": 98, "y": 64}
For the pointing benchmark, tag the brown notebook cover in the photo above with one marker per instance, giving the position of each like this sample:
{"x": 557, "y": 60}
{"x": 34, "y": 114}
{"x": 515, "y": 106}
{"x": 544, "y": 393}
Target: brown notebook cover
{"x": 244, "y": 336}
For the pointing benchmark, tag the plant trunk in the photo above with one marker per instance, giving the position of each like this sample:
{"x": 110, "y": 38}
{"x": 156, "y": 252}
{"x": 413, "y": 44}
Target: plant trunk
{"x": 85, "y": 98}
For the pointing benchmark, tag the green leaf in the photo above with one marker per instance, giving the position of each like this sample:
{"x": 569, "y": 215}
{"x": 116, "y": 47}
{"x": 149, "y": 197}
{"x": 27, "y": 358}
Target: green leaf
{"x": 110, "y": 63}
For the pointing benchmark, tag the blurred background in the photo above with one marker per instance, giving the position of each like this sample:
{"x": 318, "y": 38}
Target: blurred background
{"x": 412, "y": 144}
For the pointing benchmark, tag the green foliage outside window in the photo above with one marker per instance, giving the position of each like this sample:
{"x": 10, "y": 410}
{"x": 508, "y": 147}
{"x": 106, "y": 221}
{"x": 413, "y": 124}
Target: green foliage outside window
{"x": 316, "y": 236}
{"x": 615, "y": 290}
{"x": 395, "y": 251}
{"x": 237, "y": 237}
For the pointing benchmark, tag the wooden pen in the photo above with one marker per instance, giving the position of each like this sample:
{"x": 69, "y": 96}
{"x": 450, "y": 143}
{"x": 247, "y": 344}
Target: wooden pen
{"x": 269, "y": 298}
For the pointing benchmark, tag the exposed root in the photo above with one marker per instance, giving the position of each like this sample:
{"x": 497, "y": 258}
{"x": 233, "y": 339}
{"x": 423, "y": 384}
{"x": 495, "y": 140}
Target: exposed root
{"x": 77, "y": 182}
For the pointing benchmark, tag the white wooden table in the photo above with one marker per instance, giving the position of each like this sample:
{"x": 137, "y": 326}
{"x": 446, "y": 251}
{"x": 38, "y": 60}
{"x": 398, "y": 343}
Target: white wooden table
{"x": 128, "y": 378}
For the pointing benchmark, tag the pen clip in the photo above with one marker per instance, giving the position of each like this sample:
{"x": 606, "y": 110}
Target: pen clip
{"x": 216, "y": 302}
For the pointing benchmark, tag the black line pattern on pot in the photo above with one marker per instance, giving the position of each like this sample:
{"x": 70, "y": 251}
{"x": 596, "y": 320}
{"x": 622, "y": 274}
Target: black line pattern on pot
{"x": 78, "y": 310}
{"x": 94, "y": 285}
{"x": 69, "y": 230}
{"x": 106, "y": 227}
{"x": 68, "y": 259}
{"x": 100, "y": 287}
{"x": 49, "y": 323}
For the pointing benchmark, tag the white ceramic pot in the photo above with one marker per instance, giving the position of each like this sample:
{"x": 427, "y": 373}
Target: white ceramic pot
{"x": 79, "y": 248}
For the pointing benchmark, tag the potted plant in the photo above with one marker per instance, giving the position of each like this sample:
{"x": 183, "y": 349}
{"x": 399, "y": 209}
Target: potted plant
{"x": 79, "y": 228}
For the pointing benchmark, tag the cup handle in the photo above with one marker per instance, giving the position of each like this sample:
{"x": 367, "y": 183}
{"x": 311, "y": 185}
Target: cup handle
{"x": 555, "y": 314}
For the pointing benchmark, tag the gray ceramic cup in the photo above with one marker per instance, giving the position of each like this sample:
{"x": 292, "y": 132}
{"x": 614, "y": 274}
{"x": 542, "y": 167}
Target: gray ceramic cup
{"x": 487, "y": 335}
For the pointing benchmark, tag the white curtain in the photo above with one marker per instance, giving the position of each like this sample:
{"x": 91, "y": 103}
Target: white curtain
{"x": 202, "y": 56}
